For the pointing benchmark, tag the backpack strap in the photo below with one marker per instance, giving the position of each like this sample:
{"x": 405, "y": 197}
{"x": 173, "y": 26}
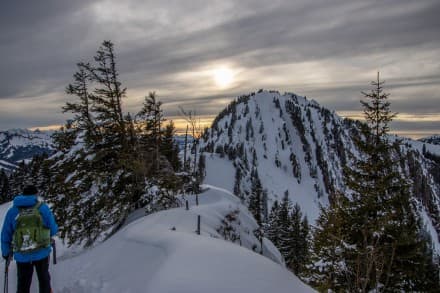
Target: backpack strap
{"x": 36, "y": 206}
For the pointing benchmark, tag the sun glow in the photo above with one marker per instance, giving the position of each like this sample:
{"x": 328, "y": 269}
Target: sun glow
{"x": 223, "y": 77}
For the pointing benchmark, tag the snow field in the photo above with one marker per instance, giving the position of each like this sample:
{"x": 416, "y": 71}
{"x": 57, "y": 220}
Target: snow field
{"x": 162, "y": 253}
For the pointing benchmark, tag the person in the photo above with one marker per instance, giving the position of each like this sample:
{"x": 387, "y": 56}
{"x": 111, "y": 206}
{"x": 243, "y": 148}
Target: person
{"x": 27, "y": 231}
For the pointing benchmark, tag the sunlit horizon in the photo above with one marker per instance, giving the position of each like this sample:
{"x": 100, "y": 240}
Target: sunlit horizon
{"x": 205, "y": 121}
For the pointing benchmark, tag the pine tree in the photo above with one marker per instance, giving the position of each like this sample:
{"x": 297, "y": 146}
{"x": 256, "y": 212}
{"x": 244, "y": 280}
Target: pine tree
{"x": 329, "y": 245}
{"x": 374, "y": 236}
{"x": 256, "y": 198}
{"x": 304, "y": 249}
{"x": 386, "y": 237}
{"x": 272, "y": 226}
{"x": 104, "y": 178}
{"x": 82, "y": 120}
{"x": 64, "y": 138}
{"x": 96, "y": 162}
{"x": 151, "y": 120}
{"x": 133, "y": 163}
{"x": 298, "y": 241}
{"x": 169, "y": 147}
{"x": 237, "y": 183}
{"x": 106, "y": 102}
{"x": 284, "y": 224}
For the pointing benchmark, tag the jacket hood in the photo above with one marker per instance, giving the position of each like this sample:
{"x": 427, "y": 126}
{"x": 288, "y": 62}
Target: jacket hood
{"x": 25, "y": 200}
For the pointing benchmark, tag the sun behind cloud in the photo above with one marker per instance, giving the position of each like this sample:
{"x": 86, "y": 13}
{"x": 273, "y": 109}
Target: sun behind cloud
{"x": 223, "y": 77}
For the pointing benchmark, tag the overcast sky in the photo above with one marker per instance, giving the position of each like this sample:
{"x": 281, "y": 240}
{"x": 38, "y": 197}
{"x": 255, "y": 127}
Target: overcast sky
{"x": 328, "y": 50}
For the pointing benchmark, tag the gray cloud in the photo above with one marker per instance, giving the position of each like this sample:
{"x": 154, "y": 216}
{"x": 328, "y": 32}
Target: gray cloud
{"x": 326, "y": 50}
{"x": 292, "y": 34}
{"x": 37, "y": 44}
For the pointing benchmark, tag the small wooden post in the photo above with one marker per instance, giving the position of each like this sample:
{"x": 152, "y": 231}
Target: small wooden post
{"x": 197, "y": 199}
{"x": 187, "y": 205}
{"x": 198, "y": 225}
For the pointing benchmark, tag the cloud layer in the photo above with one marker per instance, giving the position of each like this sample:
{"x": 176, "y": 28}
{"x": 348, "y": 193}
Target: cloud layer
{"x": 326, "y": 50}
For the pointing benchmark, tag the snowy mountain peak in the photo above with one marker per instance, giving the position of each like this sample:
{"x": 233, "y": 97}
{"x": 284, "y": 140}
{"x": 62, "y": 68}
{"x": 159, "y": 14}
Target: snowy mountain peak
{"x": 434, "y": 139}
{"x": 299, "y": 148}
{"x": 22, "y": 144}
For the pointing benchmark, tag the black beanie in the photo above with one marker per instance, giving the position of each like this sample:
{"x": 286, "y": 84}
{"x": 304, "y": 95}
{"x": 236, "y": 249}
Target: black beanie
{"x": 30, "y": 190}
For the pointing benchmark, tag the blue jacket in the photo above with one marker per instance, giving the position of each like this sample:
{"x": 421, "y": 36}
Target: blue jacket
{"x": 10, "y": 224}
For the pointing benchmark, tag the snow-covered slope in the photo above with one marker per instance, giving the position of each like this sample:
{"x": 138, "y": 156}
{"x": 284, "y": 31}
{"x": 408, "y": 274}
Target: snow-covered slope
{"x": 300, "y": 148}
{"x": 162, "y": 253}
{"x": 21, "y": 144}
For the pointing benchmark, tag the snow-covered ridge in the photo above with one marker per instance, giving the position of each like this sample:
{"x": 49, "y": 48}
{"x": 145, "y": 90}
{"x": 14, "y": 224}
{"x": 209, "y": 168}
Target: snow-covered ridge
{"x": 162, "y": 253}
{"x": 434, "y": 139}
{"x": 300, "y": 148}
{"x": 25, "y": 137}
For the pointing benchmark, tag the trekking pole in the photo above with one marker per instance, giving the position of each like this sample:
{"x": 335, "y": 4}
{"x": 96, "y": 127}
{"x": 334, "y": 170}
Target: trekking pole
{"x": 54, "y": 250}
{"x": 7, "y": 262}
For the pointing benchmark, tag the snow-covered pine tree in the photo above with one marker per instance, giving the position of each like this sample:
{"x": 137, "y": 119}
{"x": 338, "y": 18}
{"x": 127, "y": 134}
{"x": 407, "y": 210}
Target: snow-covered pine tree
{"x": 256, "y": 198}
{"x": 304, "y": 249}
{"x": 388, "y": 239}
{"x": 284, "y": 224}
{"x": 104, "y": 178}
{"x": 65, "y": 137}
{"x": 328, "y": 269}
{"x": 372, "y": 241}
{"x": 151, "y": 119}
{"x": 159, "y": 155}
{"x": 237, "y": 183}
{"x": 134, "y": 163}
{"x": 298, "y": 241}
{"x": 107, "y": 105}
{"x": 272, "y": 226}
{"x": 81, "y": 109}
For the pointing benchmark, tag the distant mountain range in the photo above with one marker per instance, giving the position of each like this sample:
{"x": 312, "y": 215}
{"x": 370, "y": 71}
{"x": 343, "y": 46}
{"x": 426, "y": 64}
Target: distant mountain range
{"x": 434, "y": 139}
{"x": 17, "y": 145}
